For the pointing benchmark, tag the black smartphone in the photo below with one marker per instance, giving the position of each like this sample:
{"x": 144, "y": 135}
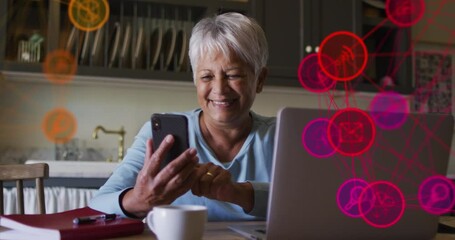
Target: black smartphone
{"x": 175, "y": 124}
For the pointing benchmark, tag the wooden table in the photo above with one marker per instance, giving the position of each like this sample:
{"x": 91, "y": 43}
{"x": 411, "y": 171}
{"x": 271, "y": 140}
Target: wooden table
{"x": 220, "y": 231}
{"x": 450, "y": 221}
{"x": 214, "y": 230}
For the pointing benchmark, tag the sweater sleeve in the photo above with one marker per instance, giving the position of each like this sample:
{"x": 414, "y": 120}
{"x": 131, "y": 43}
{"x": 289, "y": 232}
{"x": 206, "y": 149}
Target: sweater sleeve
{"x": 107, "y": 198}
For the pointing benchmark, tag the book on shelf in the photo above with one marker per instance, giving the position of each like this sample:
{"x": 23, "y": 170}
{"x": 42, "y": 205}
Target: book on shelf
{"x": 61, "y": 226}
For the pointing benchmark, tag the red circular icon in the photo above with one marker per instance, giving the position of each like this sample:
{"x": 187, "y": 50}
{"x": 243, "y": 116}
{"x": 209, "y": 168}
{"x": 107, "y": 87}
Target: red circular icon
{"x": 311, "y": 76}
{"x": 405, "y": 13}
{"x": 347, "y": 52}
{"x": 387, "y": 204}
{"x": 356, "y": 131}
{"x": 59, "y": 66}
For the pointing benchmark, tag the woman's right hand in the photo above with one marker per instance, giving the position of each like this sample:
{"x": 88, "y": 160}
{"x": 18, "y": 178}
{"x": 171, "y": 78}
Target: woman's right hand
{"x": 154, "y": 187}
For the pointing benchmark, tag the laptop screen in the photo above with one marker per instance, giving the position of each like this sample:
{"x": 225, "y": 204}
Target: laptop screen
{"x": 357, "y": 174}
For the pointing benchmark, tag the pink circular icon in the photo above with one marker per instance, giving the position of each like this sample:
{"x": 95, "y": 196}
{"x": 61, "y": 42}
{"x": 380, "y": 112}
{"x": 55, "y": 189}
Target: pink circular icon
{"x": 405, "y": 13}
{"x": 389, "y": 110}
{"x": 347, "y": 52}
{"x": 437, "y": 195}
{"x": 311, "y": 76}
{"x": 387, "y": 205}
{"x": 348, "y": 197}
{"x": 356, "y": 131}
{"x": 315, "y": 139}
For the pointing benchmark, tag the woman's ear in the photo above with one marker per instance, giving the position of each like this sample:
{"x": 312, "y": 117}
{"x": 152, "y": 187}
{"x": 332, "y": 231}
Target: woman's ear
{"x": 261, "y": 79}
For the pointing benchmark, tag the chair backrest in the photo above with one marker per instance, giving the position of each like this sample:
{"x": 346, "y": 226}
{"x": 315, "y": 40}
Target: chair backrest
{"x": 20, "y": 172}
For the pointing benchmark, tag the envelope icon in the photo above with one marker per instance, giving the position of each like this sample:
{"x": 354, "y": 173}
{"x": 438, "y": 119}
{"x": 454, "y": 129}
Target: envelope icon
{"x": 351, "y": 132}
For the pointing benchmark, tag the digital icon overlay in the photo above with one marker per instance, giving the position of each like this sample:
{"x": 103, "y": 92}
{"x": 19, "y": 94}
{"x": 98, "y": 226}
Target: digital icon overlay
{"x": 348, "y": 197}
{"x": 347, "y": 52}
{"x": 385, "y": 208}
{"x": 60, "y": 66}
{"x": 59, "y": 125}
{"x": 389, "y": 110}
{"x": 315, "y": 139}
{"x": 356, "y": 131}
{"x": 311, "y": 76}
{"x": 88, "y": 15}
{"x": 405, "y": 13}
{"x": 437, "y": 195}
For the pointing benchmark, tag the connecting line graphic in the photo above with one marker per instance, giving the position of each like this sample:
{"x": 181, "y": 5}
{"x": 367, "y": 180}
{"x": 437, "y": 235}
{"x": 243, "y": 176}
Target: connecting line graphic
{"x": 391, "y": 47}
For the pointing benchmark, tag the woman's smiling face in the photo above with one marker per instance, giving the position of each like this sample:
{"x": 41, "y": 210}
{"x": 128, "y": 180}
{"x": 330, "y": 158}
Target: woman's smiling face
{"x": 226, "y": 88}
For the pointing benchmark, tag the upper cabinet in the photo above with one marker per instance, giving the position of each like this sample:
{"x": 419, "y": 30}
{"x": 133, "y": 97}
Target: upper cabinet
{"x": 148, "y": 39}
{"x": 389, "y": 47}
{"x": 134, "y": 38}
{"x": 296, "y": 29}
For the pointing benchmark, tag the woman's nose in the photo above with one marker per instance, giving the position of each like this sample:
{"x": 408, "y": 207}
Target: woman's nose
{"x": 221, "y": 85}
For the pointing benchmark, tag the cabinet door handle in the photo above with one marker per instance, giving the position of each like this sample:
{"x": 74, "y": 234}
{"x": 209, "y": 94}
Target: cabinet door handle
{"x": 308, "y": 49}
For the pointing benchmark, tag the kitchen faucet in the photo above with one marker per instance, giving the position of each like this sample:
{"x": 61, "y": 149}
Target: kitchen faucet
{"x": 121, "y": 134}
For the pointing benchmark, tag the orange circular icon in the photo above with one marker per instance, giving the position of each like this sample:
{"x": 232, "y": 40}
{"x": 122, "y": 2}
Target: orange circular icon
{"x": 88, "y": 15}
{"x": 59, "y": 125}
{"x": 59, "y": 66}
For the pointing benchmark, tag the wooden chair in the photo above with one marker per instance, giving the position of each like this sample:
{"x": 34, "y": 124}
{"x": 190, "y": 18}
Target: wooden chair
{"x": 20, "y": 172}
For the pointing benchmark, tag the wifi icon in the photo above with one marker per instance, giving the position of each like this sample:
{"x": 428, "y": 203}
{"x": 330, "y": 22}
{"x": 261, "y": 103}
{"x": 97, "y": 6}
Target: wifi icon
{"x": 346, "y": 54}
{"x": 349, "y": 55}
{"x": 345, "y": 61}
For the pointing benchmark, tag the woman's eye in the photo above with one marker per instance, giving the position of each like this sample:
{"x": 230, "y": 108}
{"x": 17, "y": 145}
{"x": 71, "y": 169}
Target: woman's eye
{"x": 206, "y": 77}
{"x": 234, "y": 76}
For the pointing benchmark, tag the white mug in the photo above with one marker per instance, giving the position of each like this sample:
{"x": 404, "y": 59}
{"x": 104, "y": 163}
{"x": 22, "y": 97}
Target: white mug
{"x": 179, "y": 222}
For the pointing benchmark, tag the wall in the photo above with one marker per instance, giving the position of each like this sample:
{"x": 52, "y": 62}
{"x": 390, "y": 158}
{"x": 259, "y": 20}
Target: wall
{"x": 26, "y": 98}
{"x": 436, "y": 25}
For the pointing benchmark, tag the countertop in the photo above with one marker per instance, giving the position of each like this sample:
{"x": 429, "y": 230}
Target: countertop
{"x": 78, "y": 169}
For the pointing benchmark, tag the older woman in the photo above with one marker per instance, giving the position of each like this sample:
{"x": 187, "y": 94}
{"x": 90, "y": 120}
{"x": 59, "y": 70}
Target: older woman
{"x": 227, "y": 167}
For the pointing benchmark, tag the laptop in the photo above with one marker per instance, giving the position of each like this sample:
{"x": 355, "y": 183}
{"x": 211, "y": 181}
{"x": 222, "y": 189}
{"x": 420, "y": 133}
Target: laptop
{"x": 354, "y": 174}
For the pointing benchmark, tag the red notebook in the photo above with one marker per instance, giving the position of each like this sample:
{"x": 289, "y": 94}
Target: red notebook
{"x": 61, "y": 226}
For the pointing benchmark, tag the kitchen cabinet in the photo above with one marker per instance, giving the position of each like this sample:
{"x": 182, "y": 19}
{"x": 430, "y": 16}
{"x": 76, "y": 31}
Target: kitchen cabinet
{"x": 389, "y": 65}
{"x": 141, "y": 39}
{"x": 296, "y": 29}
{"x": 126, "y": 46}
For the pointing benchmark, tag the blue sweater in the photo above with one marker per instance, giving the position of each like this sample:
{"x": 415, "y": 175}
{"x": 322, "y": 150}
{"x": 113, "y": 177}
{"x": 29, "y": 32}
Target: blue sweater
{"x": 253, "y": 163}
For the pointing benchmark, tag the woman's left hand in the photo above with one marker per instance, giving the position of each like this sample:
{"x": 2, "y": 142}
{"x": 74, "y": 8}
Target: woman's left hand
{"x": 216, "y": 183}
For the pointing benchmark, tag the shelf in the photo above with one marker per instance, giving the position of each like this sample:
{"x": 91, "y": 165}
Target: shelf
{"x": 305, "y": 23}
{"x": 103, "y": 72}
{"x": 143, "y": 39}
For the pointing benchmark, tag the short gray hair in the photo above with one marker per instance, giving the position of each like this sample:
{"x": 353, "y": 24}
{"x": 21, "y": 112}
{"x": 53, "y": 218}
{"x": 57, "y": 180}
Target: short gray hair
{"x": 229, "y": 33}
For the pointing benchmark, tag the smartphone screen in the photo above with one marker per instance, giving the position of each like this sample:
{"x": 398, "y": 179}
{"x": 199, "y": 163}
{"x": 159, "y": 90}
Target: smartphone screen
{"x": 177, "y": 125}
